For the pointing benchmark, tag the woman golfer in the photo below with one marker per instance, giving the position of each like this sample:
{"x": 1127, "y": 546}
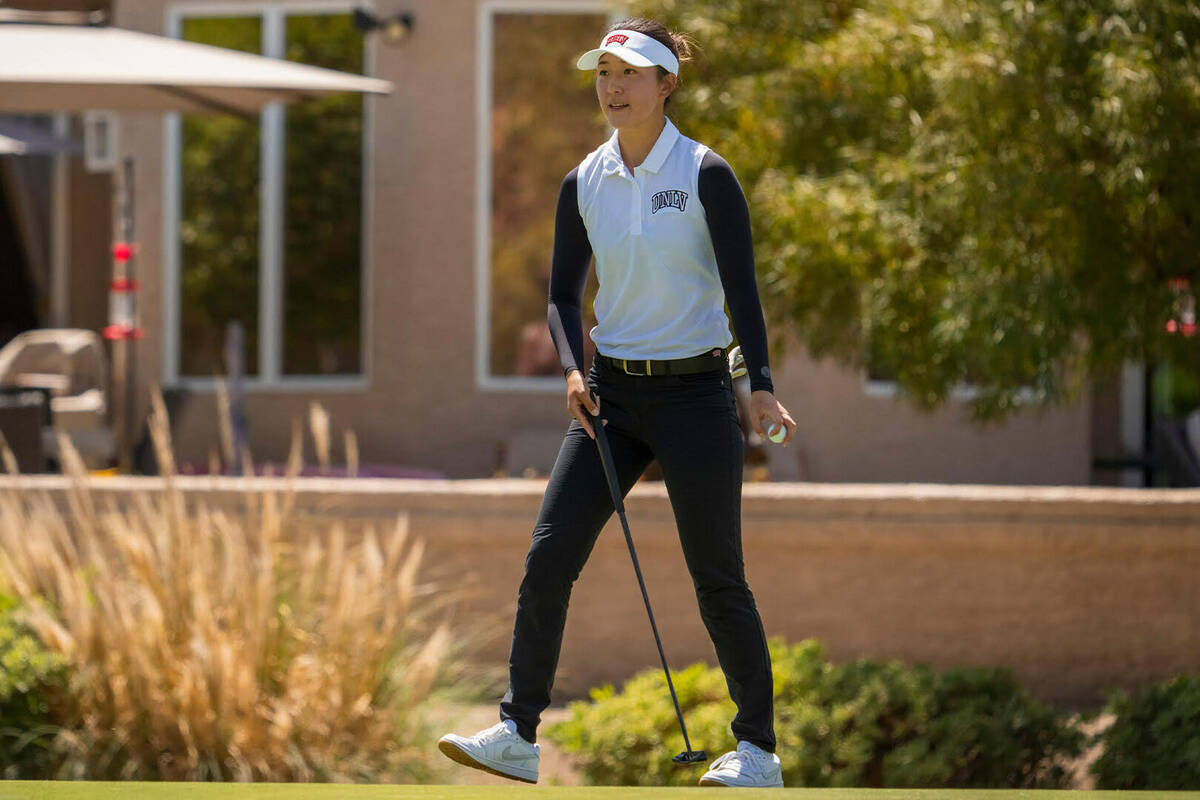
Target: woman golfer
{"x": 667, "y": 223}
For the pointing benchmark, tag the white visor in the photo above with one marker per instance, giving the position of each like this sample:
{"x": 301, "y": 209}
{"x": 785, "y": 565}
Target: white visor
{"x": 633, "y": 48}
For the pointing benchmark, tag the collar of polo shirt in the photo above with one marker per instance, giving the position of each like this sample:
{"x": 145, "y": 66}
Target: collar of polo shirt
{"x": 615, "y": 165}
{"x": 633, "y": 48}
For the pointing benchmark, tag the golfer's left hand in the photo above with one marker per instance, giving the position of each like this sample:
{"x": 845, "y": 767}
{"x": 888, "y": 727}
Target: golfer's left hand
{"x": 766, "y": 412}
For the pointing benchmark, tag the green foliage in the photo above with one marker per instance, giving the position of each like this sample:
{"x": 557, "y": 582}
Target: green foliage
{"x": 986, "y": 731}
{"x": 626, "y": 738}
{"x": 30, "y": 678}
{"x": 959, "y": 191}
{"x": 859, "y": 724}
{"x": 1154, "y": 743}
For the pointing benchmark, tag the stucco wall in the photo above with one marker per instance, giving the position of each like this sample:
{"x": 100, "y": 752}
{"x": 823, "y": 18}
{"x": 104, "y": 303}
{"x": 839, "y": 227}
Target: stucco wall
{"x": 1077, "y": 590}
{"x": 91, "y": 222}
{"x": 422, "y": 406}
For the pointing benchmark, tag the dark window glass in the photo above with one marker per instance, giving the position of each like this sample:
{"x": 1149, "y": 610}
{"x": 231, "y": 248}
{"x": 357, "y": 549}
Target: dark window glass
{"x": 323, "y": 199}
{"x": 219, "y": 227}
{"x": 545, "y": 119}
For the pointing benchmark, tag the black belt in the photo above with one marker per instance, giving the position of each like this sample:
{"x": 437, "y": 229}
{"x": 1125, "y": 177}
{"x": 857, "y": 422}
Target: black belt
{"x": 711, "y": 361}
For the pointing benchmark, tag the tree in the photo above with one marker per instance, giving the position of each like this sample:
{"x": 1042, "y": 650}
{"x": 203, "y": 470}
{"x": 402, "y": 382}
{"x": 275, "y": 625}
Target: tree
{"x": 960, "y": 191}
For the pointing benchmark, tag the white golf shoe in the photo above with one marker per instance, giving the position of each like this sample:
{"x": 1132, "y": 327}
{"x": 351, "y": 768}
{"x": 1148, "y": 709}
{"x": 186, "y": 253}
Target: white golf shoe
{"x": 499, "y": 750}
{"x": 746, "y": 766}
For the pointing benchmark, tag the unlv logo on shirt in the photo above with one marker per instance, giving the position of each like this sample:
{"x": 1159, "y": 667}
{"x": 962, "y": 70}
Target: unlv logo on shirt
{"x": 672, "y": 198}
{"x": 619, "y": 38}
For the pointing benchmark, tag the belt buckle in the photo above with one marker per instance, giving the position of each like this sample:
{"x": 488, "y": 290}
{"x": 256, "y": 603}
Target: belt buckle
{"x": 625, "y": 367}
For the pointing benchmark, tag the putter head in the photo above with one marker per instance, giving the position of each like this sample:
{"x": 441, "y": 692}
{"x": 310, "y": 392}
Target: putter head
{"x": 690, "y": 758}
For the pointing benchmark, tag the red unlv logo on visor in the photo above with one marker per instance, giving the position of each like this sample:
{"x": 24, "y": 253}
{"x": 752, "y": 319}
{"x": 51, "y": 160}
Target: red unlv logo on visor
{"x": 619, "y": 38}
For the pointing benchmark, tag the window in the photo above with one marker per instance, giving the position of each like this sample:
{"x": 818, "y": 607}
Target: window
{"x": 265, "y": 215}
{"x": 538, "y": 118}
{"x": 219, "y": 225}
{"x": 99, "y": 141}
{"x": 881, "y": 370}
{"x": 322, "y": 240}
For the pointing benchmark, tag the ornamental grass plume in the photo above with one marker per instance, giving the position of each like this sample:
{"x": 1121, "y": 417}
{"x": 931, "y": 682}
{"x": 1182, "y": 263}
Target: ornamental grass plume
{"x": 214, "y": 644}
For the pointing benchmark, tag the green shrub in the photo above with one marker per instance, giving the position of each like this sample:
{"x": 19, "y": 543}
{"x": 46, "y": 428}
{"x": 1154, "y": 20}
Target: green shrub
{"x": 30, "y": 678}
{"x": 1154, "y": 742}
{"x": 986, "y": 731}
{"x": 859, "y": 724}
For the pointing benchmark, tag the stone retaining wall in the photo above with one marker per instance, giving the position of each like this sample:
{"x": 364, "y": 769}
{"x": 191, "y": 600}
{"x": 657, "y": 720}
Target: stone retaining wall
{"x": 1078, "y": 590}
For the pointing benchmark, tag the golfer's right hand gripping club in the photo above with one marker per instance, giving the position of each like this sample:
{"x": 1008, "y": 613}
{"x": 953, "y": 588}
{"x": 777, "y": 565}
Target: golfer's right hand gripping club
{"x": 688, "y": 757}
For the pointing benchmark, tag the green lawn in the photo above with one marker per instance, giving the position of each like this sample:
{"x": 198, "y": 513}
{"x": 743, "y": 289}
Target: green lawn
{"x": 40, "y": 790}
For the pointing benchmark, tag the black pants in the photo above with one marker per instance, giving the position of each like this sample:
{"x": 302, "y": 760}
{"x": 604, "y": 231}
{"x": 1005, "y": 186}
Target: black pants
{"x": 689, "y": 423}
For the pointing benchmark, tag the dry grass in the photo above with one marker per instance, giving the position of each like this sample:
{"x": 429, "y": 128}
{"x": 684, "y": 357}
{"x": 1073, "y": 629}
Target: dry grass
{"x": 209, "y": 645}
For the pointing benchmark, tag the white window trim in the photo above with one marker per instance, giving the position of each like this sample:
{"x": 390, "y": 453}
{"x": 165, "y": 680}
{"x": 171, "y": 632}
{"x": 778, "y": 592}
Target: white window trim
{"x": 1133, "y": 405}
{"x": 273, "y": 15}
{"x": 483, "y": 185}
{"x": 961, "y": 393}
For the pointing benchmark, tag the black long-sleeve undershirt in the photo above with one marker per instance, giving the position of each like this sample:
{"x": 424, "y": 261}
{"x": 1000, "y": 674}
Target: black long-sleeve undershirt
{"x": 568, "y": 276}
{"x": 728, "y": 221}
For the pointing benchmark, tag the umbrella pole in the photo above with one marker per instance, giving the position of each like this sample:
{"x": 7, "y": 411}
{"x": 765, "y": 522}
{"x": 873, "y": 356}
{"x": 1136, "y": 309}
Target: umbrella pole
{"x": 131, "y": 361}
{"x": 122, "y": 329}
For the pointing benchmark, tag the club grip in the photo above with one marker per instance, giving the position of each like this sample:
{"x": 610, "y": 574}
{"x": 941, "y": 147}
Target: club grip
{"x": 606, "y": 462}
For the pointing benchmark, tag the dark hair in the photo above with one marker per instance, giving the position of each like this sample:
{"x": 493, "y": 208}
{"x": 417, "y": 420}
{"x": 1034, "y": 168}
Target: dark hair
{"x": 679, "y": 44}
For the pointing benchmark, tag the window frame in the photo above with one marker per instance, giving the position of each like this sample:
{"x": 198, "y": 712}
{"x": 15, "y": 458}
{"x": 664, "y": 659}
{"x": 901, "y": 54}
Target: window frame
{"x": 273, "y": 14}
{"x": 487, "y": 10}
{"x": 886, "y": 388}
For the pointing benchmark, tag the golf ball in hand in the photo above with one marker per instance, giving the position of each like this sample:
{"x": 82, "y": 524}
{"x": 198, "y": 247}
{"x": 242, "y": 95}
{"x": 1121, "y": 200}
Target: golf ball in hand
{"x": 777, "y": 433}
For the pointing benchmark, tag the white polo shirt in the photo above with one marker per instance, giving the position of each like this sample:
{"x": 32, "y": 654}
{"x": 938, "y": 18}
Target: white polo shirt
{"x": 660, "y": 295}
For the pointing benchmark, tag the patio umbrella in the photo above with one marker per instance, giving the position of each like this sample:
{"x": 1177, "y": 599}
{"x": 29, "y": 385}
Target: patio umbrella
{"x": 10, "y": 146}
{"x": 49, "y": 68}
{"x": 53, "y": 68}
{"x": 19, "y": 138}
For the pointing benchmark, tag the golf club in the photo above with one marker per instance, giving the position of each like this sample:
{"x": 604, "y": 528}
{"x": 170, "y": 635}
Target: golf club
{"x": 688, "y": 757}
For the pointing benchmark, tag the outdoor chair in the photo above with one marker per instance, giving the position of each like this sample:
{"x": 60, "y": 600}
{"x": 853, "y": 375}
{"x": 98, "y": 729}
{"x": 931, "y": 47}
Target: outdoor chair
{"x": 71, "y": 367}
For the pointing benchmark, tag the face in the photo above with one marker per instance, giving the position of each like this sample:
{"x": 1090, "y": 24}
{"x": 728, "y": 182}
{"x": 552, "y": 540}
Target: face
{"x": 630, "y": 96}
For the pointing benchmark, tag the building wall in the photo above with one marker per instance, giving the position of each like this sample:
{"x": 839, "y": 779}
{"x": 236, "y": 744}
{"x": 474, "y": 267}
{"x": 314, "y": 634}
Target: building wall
{"x": 59, "y": 5}
{"x": 90, "y": 257}
{"x": 422, "y": 405}
{"x": 848, "y": 434}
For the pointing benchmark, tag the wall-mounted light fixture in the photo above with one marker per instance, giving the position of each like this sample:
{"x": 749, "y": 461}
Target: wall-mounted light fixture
{"x": 395, "y": 29}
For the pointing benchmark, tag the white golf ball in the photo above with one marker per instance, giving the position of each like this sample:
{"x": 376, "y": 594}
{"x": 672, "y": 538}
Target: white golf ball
{"x": 777, "y": 433}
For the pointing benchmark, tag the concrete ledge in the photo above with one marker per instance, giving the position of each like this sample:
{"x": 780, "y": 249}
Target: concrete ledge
{"x": 1078, "y": 590}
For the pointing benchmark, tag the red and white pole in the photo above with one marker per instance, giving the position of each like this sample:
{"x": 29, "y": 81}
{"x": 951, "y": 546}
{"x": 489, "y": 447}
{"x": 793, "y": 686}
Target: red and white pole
{"x": 122, "y": 297}
{"x": 122, "y": 327}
